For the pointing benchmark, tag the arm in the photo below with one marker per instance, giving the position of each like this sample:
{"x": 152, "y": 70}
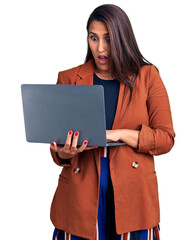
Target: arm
{"x": 158, "y": 137}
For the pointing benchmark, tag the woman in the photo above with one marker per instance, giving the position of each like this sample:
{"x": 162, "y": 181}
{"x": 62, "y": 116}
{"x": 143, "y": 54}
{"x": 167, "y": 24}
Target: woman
{"x": 112, "y": 193}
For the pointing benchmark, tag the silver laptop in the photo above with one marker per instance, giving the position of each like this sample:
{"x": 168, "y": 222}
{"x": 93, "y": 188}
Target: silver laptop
{"x": 50, "y": 111}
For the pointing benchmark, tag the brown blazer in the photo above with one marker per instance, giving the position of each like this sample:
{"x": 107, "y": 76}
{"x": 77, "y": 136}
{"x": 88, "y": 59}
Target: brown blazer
{"x": 75, "y": 203}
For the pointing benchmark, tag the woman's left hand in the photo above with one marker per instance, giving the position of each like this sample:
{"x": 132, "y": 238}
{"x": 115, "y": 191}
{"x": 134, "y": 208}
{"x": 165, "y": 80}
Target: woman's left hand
{"x": 113, "y": 135}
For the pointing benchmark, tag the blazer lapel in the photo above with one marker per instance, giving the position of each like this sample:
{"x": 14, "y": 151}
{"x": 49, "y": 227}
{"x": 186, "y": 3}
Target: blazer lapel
{"x": 85, "y": 77}
{"x": 85, "y": 73}
{"x": 120, "y": 110}
{"x": 88, "y": 80}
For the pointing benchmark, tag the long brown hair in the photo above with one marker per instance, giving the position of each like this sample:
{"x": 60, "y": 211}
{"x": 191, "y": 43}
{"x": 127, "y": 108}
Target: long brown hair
{"x": 126, "y": 58}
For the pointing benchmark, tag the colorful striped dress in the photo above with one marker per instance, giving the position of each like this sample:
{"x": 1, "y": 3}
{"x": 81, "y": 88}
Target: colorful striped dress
{"x": 106, "y": 229}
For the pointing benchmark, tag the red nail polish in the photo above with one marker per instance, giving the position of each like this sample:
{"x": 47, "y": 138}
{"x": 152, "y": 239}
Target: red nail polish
{"x": 85, "y": 142}
{"x": 53, "y": 144}
{"x": 76, "y": 134}
{"x": 70, "y": 132}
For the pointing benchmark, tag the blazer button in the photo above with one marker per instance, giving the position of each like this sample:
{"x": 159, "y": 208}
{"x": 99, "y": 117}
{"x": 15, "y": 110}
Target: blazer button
{"x": 76, "y": 170}
{"x": 135, "y": 164}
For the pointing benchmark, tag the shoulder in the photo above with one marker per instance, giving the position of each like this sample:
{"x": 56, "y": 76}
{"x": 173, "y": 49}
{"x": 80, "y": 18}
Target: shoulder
{"x": 68, "y": 76}
{"x": 149, "y": 73}
{"x": 148, "y": 70}
{"x": 148, "y": 76}
{"x": 71, "y": 75}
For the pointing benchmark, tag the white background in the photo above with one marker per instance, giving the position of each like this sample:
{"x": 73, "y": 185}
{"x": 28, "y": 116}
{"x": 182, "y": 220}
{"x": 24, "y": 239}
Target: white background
{"x": 40, "y": 38}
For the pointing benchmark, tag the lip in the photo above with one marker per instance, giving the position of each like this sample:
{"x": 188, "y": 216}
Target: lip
{"x": 102, "y": 59}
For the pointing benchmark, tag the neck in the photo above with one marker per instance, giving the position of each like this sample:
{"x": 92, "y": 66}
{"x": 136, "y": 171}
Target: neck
{"x": 104, "y": 75}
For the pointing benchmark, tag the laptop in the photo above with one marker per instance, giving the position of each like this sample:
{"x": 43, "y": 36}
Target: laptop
{"x": 50, "y": 111}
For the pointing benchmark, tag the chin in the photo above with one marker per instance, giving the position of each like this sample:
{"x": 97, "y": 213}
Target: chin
{"x": 103, "y": 67}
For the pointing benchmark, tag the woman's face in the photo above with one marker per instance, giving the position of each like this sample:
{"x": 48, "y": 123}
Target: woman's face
{"x": 99, "y": 43}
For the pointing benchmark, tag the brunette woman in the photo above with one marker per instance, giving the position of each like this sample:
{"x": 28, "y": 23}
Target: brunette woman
{"x": 112, "y": 193}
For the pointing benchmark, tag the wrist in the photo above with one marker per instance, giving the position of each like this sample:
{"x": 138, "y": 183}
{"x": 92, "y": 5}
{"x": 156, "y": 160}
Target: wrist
{"x": 120, "y": 134}
{"x": 129, "y": 136}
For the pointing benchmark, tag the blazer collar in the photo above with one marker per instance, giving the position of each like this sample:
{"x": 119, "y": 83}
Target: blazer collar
{"x": 85, "y": 73}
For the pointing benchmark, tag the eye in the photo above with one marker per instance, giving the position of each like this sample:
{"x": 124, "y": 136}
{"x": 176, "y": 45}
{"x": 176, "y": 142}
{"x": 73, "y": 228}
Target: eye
{"x": 107, "y": 39}
{"x": 93, "y": 38}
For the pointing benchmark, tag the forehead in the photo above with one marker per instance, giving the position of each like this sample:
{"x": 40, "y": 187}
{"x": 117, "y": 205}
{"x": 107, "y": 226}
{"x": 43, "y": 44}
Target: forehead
{"x": 98, "y": 27}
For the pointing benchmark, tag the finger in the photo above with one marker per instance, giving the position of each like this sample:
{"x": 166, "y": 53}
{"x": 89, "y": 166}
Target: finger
{"x": 75, "y": 140}
{"x": 68, "y": 140}
{"x": 83, "y": 146}
{"x": 53, "y": 146}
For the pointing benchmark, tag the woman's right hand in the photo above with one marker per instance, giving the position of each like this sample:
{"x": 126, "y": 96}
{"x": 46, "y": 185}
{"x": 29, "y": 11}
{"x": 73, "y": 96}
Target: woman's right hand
{"x": 70, "y": 149}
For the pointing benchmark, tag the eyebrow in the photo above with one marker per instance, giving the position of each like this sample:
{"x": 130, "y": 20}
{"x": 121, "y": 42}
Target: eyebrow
{"x": 106, "y": 34}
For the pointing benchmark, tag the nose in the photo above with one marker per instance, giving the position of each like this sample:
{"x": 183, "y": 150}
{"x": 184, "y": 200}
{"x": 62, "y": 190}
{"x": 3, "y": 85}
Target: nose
{"x": 101, "y": 46}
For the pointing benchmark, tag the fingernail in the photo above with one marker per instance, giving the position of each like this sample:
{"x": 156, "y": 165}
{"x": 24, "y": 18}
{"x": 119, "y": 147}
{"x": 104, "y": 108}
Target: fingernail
{"x": 76, "y": 134}
{"x": 70, "y": 132}
{"x": 53, "y": 144}
{"x": 85, "y": 142}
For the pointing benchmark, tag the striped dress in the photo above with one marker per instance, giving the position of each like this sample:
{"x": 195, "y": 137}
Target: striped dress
{"x": 149, "y": 234}
{"x": 106, "y": 229}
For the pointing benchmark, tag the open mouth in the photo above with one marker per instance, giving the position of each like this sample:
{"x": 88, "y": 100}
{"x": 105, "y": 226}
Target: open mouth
{"x": 103, "y": 59}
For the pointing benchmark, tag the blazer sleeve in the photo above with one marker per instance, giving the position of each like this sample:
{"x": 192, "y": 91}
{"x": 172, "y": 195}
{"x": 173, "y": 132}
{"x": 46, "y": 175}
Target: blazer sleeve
{"x": 57, "y": 160}
{"x": 158, "y": 137}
